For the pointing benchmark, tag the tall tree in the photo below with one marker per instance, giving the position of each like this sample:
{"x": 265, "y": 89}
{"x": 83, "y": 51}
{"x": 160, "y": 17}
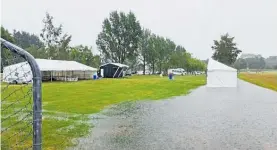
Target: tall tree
{"x": 120, "y": 36}
{"x": 144, "y": 47}
{"x": 152, "y": 53}
{"x": 57, "y": 43}
{"x": 170, "y": 47}
{"x": 178, "y": 58}
{"x": 225, "y": 50}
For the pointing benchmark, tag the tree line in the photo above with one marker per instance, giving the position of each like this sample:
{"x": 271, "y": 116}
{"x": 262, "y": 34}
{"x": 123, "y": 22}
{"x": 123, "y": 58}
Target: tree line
{"x": 122, "y": 40}
{"x": 253, "y": 61}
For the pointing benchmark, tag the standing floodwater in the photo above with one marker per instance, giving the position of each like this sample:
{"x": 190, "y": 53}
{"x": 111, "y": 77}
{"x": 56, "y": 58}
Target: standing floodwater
{"x": 222, "y": 118}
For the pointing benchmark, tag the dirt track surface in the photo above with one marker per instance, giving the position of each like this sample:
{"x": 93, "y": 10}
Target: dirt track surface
{"x": 207, "y": 118}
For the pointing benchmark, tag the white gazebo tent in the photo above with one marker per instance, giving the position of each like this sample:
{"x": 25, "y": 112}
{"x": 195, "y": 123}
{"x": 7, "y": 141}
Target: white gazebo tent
{"x": 61, "y": 70}
{"x": 220, "y": 75}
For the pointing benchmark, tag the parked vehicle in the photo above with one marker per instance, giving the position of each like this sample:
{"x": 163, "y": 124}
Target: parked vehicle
{"x": 178, "y": 71}
{"x": 146, "y": 72}
{"x": 158, "y": 72}
{"x": 198, "y": 72}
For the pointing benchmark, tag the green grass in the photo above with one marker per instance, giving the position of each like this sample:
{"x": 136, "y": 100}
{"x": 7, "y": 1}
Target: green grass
{"x": 67, "y": 105}
{"x": 266, "y": 80}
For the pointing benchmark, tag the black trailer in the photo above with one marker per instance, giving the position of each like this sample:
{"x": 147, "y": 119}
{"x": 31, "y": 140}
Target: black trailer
{"x": 113, "y": 70}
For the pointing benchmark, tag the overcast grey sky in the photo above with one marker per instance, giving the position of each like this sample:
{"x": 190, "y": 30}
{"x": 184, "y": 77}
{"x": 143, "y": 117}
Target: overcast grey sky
{"x": 191, "y": 23}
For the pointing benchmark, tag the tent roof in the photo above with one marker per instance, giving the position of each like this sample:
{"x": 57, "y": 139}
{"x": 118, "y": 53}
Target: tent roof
{"x": 215, "y": 65}
{"x": 116, "y": 64}
{"x": 58, "y": 65}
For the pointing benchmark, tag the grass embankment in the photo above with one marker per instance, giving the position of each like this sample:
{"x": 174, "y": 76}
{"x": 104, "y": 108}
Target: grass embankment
{"x": 266, "y": 80}
{"x": 66, "y": 105}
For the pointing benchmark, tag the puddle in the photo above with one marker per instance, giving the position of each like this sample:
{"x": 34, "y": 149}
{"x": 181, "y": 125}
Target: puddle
{"x": 243, "y": 118}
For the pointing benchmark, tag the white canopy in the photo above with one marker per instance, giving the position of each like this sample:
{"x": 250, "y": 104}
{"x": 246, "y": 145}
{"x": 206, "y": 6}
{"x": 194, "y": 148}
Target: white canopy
{"x": 56, "y": 65}
{"x": 220, "y": 75}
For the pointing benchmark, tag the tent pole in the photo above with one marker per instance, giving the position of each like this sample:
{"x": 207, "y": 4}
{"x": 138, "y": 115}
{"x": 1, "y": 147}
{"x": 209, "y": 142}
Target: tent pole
{"x": 120, "y": 73}
{"x": 115, "y": 72}
{"x": 51, "y": 76}
{"x": 65, "y": 75}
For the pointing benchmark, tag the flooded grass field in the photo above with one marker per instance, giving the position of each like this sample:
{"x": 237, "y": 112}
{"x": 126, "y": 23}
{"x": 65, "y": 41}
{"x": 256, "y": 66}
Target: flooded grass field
{"x": 68, "y": 107}
{"x": 207, "y": 118}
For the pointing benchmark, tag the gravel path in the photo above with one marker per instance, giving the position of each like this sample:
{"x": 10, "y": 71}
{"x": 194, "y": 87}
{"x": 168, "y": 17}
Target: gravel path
{"x": 219, "y": 118}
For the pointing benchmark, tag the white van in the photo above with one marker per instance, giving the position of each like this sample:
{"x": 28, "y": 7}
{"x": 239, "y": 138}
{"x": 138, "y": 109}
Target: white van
{"x": 178, "y": 71}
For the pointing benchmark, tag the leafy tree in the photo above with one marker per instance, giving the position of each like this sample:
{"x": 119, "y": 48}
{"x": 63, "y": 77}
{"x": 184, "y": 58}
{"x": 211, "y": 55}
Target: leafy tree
{"x": 271, "y": 62}
{"x": 152, "y": 52}
{"x": 257, "y": 62}
{"x": 178, "y": 58}
{"x": 240, "y": 64}
{"x": 25, "y": 40}
{"x": 144, "y": 47}
{"x": 175, "y": 60}
{"x": 36, "y": 51}
{"x": 253, "y": 61}
{"x": 195, "y": 64}
{"x": 29, "y": 42}
{"x": 96, "y": 61}
{"x": 6, "y": 55}
{"x": 170, "y": 47}
{"x": 5, "y": 34}
{"x": 225, "y": 50}
{"x": 63, "y": 47}
{"x": 161, "y": 54}
{"x": 83, "y": 54}
{"x": 57, "y": 43}
{"x": 132, "y": 62}
{"x": 161, "y": 51}
{"x": 120, "y": 37}
{"x": 180, "y": 49}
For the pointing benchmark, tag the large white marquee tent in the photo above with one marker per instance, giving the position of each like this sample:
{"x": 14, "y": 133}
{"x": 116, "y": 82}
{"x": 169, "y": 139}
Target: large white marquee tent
{"x": 50, "y": 70}
{"x": 220, "y": 75}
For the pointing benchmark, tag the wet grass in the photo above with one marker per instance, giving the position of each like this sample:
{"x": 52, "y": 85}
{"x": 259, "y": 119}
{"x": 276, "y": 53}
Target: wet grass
{"x": 266, "y": 80}
{"x": 67, "y": 105}
{"x": 88, "y": 97}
